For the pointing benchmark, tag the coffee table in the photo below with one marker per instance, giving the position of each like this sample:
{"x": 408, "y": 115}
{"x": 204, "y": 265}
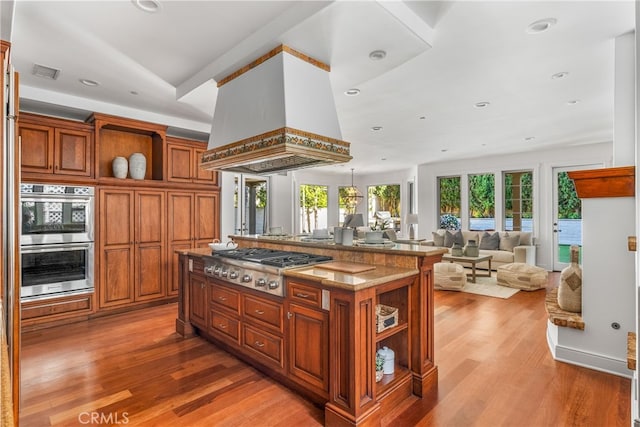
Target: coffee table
{"x": 473, "y": 260}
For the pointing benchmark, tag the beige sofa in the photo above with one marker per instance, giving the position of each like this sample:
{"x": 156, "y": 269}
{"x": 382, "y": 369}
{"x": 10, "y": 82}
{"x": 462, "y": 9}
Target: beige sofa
{"x": 515, "y": 246}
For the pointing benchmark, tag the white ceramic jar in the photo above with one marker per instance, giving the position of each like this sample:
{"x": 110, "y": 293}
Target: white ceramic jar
{"x": 137, "y": 165}
{"x": 389, "y": 360}
{"x": 120, "y": 167}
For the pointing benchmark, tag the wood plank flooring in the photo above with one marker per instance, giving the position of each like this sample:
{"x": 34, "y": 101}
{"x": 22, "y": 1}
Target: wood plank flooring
{"x": 494, "y": 370}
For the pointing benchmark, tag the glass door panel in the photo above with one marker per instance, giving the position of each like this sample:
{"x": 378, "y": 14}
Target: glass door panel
{"x": 567, "y": 216}
{"x": 251, "y": 204}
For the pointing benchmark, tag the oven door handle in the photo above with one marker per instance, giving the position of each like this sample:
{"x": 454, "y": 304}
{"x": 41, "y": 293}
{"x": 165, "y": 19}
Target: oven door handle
{"x": 32, "y": 249}
{"x": 55, "y": 199}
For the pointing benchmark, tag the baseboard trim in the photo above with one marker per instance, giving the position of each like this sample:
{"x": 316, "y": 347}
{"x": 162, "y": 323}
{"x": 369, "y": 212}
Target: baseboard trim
{"x": 584, "y": 359}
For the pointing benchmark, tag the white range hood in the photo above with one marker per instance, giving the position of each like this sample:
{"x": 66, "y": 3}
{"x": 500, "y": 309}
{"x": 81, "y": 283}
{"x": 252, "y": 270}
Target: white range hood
{"x": 275, "y": 114}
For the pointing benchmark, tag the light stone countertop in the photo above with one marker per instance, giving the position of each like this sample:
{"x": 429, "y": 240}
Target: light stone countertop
{"x": 331, "y": 278}
{"x": 350, "y": 281}
{"x": 411, "y": 249}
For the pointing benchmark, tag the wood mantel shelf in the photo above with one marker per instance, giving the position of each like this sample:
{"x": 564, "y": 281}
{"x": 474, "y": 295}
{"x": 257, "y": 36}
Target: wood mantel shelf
{"x": 607, "y": 182}
{"x": 560, "y": 317}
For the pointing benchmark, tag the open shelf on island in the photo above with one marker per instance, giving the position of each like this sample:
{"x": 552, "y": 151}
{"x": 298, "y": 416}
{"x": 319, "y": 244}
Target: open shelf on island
{"x": 391, "y": 331}
{"x": 391, "y": 381}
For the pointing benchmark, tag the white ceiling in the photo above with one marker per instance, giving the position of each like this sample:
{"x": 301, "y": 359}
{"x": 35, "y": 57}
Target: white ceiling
{"x": 442, "y": 58}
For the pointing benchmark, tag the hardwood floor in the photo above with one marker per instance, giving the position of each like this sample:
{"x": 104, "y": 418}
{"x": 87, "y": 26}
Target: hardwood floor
{"x": 494, "y": 369}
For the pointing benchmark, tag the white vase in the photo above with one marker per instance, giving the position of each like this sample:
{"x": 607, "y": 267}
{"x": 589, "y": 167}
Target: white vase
{"x": 120, "y": 167}
{"x": 137, "y": 165}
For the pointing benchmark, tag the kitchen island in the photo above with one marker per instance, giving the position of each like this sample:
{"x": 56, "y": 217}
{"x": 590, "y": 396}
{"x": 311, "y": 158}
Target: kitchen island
{"x": 321, "y": 338}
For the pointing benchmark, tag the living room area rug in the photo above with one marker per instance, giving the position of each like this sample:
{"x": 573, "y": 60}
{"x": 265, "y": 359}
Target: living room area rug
{"x": 488, "y": 286}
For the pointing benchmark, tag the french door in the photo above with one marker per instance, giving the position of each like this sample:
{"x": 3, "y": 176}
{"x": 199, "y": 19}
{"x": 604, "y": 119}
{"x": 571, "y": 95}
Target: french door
{"x": 251, "y": 204}
{"x": 567, "y": 215}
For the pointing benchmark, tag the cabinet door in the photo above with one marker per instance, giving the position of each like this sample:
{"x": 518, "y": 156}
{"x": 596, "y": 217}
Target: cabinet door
{"x": 180, "y": 216}
{"x": 116, "y": 247}
{"x": 179, "y": 163}
{"x": 180, "y": 233}
{"x": 72, "y": 152}
{"x": 36, "y": 148}
{"x": 202, "y": 175}
{"x": 198, "y": 300}
{"x": 308, "y": 361}
{"x": 207, "y": 226}
{"x": 150, "y": 254}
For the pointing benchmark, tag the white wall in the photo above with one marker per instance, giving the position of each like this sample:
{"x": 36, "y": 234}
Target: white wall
{"x": 608, "y": 288}
{"x": 541, "y": 162}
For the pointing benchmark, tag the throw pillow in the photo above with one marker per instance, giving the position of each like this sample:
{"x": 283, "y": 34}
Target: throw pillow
{"x": 451, "y": 238}
{"x": 438, "y": 239}
{"x": 508, "y": 242}
{"x": 490, "y": 242}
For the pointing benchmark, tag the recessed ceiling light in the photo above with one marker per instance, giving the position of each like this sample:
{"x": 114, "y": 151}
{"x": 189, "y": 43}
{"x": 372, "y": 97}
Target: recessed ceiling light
{"x": 377, "y": 55}
{"x": 151, "y": 6}
{"x": 46, "y": 72}
{"x": 541, "y": 26}
{"x": 376, "y": 128}
{"x": 560, "y": 75}
{"x": 91, "y": 83}
{"x": 573, "y": 102}
{"x": 481, "y": 104}
{"x": 352, "y": 92}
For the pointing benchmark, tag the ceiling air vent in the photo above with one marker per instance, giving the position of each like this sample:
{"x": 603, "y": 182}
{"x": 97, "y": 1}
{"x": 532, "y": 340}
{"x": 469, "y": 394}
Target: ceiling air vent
{"x": 46, "y": 72}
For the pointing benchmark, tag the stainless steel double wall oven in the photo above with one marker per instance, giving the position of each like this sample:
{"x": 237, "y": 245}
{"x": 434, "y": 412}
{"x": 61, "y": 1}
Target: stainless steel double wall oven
{"x": 57, "y": 240}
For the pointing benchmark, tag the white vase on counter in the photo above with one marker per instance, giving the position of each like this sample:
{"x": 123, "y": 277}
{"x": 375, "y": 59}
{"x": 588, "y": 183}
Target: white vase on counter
{"x": 120, "y": 167}
{"x": 137, "y": 165}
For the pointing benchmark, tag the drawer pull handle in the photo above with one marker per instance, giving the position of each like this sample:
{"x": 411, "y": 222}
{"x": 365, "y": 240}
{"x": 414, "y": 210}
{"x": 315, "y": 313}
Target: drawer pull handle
{"x": 260, "y": 312}
{"x": 258, "y": 344}
{"x": 222, "y": 298}
{"x": 222, "y": 326}
{"x": 301, "y": 295}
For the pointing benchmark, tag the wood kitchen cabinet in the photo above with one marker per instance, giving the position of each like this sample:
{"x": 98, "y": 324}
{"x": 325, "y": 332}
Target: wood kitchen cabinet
{"x": 249, "y": 324}
{"x": 183, "y": 162}
{"x": 55, "y": 147}
{"x": 132, "y": 246}
{"x": 262, "y": 330}
{"x": 193, "y": 222}
{"x": 198, "y": 286}
{"x": 308, "y": 337}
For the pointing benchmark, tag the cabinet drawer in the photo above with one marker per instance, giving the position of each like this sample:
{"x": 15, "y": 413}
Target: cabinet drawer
{"x": 266, "y": 346}
{"x": 225, "y": 325}
{"x": 305, "y": 294}
{"x": 226, "y": 297}
{"x": 73, "y": 305}
{"x": 263, "y": 311}
{"x": 197, "y": 265}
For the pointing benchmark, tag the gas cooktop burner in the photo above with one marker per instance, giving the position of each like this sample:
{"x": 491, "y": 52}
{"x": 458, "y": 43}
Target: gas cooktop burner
{"x": 250, "y": 254}
{"x": 295, "y": 259}
{"x": 273, "y": 257}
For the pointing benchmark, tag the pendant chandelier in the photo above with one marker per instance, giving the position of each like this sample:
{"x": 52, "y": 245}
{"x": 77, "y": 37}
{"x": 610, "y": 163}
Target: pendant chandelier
{"x": 352, "y": 196}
